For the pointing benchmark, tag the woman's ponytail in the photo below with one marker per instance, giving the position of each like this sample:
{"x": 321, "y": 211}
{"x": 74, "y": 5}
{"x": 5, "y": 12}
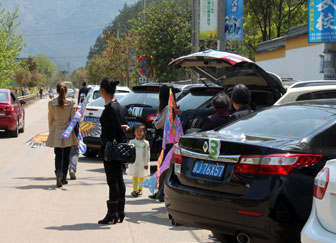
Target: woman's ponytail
{"x": 61, "y": 90}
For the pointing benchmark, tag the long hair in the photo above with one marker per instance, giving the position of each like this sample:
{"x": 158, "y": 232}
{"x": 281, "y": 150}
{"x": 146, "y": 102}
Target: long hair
{"x": 61, "y": 90}
{"x": 163, "y": 97}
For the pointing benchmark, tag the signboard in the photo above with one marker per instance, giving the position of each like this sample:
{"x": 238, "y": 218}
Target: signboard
{"x": 322, "y": 25}
{"x": 145, "y": 65}
{"x": 234, "y": 20}
{"x": 208, "y": 19}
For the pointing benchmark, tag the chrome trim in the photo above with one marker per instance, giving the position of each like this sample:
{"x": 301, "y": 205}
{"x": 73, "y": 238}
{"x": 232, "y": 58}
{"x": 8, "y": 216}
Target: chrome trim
{"x": 221, "y": 158}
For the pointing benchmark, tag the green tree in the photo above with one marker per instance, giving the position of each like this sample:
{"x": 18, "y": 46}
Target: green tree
{"x": 45, "y": 67}
{"x": 164, "y": 34}
{"x": 11, "y": 44}
{"x": 79, "y": 76}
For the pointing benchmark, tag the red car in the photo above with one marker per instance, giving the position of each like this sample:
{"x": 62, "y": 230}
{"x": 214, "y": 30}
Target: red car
{"x": 12, "y": 114}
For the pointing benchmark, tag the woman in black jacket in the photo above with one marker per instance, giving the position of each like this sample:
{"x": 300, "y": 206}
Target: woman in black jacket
{"x": 113, "y": 124}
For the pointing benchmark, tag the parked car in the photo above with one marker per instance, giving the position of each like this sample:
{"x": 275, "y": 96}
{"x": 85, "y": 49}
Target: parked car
{"x": 253, "y": 179}
{"x": 70, "y": 93}
{"x": 309, "y": 90}
{"x": 321, "y": 225}
{"x": 12, "y": 114}
{"x": 90, "y": 126}
{"x": 96, "y": 92}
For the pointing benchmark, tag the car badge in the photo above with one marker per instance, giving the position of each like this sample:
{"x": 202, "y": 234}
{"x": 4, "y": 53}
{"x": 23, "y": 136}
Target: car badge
{"x": 205, "y": 146}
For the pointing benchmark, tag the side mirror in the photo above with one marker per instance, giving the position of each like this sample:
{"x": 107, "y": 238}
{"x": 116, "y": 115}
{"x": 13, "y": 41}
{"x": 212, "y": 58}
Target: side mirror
{"x": 22, "y": 102}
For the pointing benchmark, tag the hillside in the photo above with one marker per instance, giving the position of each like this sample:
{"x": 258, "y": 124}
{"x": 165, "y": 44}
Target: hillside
{"x": 64, "y": 30}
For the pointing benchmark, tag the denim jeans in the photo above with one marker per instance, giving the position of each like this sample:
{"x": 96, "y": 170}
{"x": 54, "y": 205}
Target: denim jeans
{"x": 74, "y": 154}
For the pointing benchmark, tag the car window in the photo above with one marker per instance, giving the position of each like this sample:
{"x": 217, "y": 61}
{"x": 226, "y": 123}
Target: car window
{"x": 191, "y": 101}
{"x": 96, "y": 94}
{"x": 280, "y": 122}
{"x": 323, "y": 94}
{"x": 3, "y": 96}
{"x": 101, "y": 102}
{"x": 149, "y": 98}
{"x": 13, "y": 99}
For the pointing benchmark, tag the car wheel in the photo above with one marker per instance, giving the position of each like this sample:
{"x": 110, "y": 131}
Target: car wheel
{"x": 91, "y": 153}
{"x": 21, "y": 130}
{"x": 223, "y": 237}
{"x": 15, "y": 133}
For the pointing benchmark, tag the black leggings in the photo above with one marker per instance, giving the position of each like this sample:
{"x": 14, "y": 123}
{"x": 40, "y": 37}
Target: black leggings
{"x": 115, "y": 180}
{"x": 62, "y": 161}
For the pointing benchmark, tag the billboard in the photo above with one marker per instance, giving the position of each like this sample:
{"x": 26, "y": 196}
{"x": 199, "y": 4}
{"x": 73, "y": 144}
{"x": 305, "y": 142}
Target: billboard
{"x": 208, "y": 19}
{"x": 321, "y": 19}
{"x": 234, "y": 20}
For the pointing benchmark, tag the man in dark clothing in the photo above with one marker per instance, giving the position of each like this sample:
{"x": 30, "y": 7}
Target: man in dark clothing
{"x": 83, "y": 90}
{"x": 221, "y": 104}
{"x": 240, "y": 98}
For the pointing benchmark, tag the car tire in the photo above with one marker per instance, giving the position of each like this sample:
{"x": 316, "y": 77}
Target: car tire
{"x": 223, "y": 237}
{"x": 15, "y": 133}
{"x": 21, "y": 130}
{"x": 91, "y": 153}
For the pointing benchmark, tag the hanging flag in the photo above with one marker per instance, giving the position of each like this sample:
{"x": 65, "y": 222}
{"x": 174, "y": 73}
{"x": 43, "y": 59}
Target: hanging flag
{"x": 171, "y": 134}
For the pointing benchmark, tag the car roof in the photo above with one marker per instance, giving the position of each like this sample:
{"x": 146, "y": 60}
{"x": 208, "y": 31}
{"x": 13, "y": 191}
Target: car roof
{"x": 311, "y": 83}
{"x": 4, "y": 90}
{"x": 331, "y": 103}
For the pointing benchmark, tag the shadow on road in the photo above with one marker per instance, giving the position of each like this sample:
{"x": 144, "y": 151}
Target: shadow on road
{"x": 79, "y": 227}
{"x": 40, "y": 187}
{"x": 83, "y": 159}
{"x": 4, "y": 135}
{"x": 36, "y": 178}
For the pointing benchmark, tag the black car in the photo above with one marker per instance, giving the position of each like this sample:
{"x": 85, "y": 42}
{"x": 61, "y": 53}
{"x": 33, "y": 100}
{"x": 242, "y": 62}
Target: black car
{"x": 252, "y": 180}
{"x": 142, "y": 105}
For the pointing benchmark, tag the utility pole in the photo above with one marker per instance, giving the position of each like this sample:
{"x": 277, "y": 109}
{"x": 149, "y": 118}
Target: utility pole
{"x": 143, "y": 9}
{"x": 221, "y": 25}
{"x": 195, "y": 33}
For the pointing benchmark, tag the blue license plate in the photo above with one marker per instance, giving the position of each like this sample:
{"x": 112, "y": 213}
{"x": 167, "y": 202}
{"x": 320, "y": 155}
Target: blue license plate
{"x": 208, "y": 169}
{"x": 91, "y": 119}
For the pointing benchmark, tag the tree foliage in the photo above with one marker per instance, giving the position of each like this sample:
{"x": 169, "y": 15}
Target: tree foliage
{"x": 116, "y": 61}
{"x": 11, "y": 44}
{"x": 45, "y": 66}
{"x": 79, "y": 76}
{"x": 164, "y": 34}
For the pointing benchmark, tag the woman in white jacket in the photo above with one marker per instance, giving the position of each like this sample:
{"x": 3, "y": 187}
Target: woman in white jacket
{"x": 140, "y": 168}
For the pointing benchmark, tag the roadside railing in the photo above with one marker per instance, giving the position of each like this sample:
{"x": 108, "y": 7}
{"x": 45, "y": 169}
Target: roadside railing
{"x": 29, "y": 98}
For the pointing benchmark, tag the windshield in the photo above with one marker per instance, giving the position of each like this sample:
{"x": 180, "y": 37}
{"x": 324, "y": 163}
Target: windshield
{"x": 151, "y": 99}
{"x": 101, "y": 102}
{"x": 281, "y": 122}
{"x": 191, "y": 101}
{"x": 3, "y": 96}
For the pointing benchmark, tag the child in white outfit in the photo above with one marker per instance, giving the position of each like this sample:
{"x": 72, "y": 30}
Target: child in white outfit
{"x": 140, "y": 168}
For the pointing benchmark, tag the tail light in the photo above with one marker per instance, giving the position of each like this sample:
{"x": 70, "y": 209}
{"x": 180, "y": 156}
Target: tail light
{"x": 275, "y": 164}
{"x": 151, "y": 117}
{"x": 7, "y": 108}
{"x": 321, "y": 183}
{"x": 177, "y": 154}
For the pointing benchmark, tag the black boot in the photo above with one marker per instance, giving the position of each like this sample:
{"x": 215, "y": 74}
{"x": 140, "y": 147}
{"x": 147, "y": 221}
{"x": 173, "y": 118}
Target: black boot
{"x": 64, "y": 180}
{"x": 121, "y": 210}
{"x": 58, "y": 178}
{"x": 111, "y": 216}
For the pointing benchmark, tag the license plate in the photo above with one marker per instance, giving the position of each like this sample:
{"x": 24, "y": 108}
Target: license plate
{"x": 91, "y": 119}
{"x": 208, "y": 169}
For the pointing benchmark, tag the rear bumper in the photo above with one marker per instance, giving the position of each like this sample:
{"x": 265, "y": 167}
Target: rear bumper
{"x": 92, "y": 142}
{"x": 314, "y": 232}
{"x": 194, "y": 207}
{"x": 7, "y": 123}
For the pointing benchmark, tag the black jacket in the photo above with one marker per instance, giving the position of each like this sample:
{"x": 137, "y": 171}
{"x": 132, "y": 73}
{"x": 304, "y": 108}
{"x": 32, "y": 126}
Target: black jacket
{"x": 215, "y": 120}
{"x": 241, "y": 112}
{"x": 83, "y": 90}
{"x": 111, "y": 120}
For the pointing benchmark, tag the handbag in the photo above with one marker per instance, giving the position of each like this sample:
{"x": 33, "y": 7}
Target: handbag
{"x": 123, "y": 152}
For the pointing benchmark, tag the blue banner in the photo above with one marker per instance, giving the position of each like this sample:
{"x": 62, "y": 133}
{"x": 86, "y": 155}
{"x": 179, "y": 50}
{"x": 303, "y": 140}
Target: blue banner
{"x": 234, "y": 20}
{"x": 322, "y": 25}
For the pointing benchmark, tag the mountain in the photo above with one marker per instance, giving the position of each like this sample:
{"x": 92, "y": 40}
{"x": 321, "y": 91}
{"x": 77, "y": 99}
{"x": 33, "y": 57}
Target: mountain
{"x": 63, "y": 30}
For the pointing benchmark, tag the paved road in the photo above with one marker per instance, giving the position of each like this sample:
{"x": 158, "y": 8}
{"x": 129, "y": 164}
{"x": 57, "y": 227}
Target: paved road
{"x": 32, "y": 209}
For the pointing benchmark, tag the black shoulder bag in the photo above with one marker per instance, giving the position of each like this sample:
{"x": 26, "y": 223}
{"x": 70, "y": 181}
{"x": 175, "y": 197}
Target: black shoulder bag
{"x": 123, "y": 152}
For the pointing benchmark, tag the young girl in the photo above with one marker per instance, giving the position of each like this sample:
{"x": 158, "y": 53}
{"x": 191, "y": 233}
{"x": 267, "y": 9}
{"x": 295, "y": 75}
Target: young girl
{"x": 140, "y": 168}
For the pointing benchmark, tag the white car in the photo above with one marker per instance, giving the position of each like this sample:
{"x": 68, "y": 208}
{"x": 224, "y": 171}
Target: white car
{"x": 309, "y": 90}
{"x": 321, "y": 225}
{"x": 90, "y": 126}
{"x": 96, "y": 92}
